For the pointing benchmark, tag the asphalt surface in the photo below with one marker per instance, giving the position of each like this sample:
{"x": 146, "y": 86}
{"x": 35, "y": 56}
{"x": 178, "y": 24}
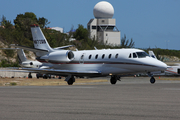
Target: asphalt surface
{"x": 130, "y": 99}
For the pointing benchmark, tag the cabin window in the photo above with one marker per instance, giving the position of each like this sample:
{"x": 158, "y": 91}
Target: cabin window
{"x": 103, "y": 56}
{"x": 130, "y": 55}
{"x": 134, "y": 55}
{"x": 141, "y": 54}
{"x": 90, "y": 56}
{"x": 116, "y": 56}
{"x": 109, "y": 56}
{"x": 152, "y": 56}
{"x": 96, "y": 56}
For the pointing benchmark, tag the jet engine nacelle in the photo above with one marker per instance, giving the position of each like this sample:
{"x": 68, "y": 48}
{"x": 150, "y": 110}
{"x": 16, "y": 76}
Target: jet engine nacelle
{"x": 59, "y": 56}
{"x": 31, "y": 64}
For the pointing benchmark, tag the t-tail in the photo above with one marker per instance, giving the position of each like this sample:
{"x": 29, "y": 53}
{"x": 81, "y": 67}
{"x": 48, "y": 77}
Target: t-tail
{"x": 24, "y": 62}
{"x": 39, "y": 39}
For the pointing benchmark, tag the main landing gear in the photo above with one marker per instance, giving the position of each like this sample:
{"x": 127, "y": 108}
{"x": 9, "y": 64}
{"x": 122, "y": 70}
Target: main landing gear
{"x": 29, "y": 75}
{"x": 70, "y": 80}
{"x": 114, "y": 79}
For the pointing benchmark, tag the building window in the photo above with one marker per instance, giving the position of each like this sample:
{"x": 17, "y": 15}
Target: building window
{"x": 103, "y": 56}
{"x": 96, "y": 56}
{"x": 90, "y": 56}
{"x": 93, "y": 27}
{"x": 109, "y": 56}
{"x": 116, "y": 56}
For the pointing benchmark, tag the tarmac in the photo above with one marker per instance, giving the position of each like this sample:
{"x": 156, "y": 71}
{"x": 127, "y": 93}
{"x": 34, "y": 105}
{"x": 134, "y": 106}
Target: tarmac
{"x": 129, "y": 99}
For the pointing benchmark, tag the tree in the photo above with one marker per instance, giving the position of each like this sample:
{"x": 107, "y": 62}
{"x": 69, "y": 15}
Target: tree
{"x": 6, "y": 23}
{"x": 3, "y": 19}
{"x": 23, "y": 29}
{"x": 23, "y": 21}
{"x": 22, "y": 25}
{"x": 125, "y": 43}
{"x": 81, "y": 33}
{"x": 43, "y": 22}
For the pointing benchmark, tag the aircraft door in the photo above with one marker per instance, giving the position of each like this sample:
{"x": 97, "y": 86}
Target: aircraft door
{"x": 81, "y": 60}
{"x": 178, "y": 71}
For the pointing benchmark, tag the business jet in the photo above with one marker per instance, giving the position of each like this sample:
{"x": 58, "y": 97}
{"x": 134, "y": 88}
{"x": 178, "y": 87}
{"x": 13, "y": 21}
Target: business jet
{"x": 26, "y": 63}
{"x": 91, "y": 63}
{"x": 174, "y": 69}
{"x": 23, "y": 61}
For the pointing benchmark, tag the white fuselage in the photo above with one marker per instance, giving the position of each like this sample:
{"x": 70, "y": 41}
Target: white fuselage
{"x": 111, "y": 62}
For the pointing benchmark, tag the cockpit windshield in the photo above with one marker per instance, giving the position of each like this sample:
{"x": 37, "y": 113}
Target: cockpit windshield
{"x": 142, "y": 54}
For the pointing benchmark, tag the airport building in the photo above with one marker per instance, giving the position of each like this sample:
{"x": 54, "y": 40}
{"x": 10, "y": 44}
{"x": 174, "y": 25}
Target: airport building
{"x": 103, "y": 26}
{"x": 58, "y": 29}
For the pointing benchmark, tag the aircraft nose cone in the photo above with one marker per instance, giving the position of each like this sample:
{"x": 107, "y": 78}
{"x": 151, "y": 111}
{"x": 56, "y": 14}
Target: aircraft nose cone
{"x": 162, "y": 66}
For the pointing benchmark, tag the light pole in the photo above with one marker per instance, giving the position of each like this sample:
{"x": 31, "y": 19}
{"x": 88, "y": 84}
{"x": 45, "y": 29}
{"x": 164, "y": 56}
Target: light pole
{"x": 167, "y": 43}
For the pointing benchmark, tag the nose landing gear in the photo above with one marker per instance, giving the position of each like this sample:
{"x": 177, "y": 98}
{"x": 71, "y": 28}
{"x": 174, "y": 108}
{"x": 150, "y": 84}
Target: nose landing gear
{"x": 152, "y": 79}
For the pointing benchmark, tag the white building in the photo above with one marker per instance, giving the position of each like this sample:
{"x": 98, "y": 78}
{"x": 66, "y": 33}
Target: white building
{"x": 58, "y": 29}
{"x": 103, "y": 26}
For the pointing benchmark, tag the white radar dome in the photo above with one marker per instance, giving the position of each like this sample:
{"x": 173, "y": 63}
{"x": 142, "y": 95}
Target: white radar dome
{"x": 103, "y": 9}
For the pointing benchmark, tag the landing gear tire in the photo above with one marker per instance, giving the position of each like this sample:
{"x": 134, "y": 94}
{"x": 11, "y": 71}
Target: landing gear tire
{"x": 152, "y": 80}
{"x": 113, "y": 80}
{"x": 37, "y": 76}
{"x": 45, "y": 77}
{"x": 29, "y": 75}
{"x": 71, "y": 81}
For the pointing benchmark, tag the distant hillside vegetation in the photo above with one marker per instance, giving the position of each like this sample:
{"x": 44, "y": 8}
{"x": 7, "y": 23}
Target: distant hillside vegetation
{"x": 20, "y": 33}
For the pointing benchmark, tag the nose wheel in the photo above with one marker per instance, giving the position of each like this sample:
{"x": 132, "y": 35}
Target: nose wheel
{"x": 152, "y": 80}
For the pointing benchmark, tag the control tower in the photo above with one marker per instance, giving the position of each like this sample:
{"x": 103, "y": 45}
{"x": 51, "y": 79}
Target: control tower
{"x": 103, "y": 26}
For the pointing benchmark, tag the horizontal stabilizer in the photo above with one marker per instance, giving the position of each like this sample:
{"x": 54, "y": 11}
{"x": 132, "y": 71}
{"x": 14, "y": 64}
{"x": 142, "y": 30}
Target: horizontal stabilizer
{"x": 28, "y": 48}
{"x": 63, "y": 47}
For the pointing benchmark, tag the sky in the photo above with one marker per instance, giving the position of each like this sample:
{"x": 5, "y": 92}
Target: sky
{"x": 150, "y": 23}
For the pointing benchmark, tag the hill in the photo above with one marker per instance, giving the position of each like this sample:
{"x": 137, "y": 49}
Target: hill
{"x": 20, "y": 33}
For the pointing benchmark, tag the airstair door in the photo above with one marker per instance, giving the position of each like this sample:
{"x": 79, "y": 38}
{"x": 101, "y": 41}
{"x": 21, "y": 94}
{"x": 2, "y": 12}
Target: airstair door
{"x": 81, "y": 60}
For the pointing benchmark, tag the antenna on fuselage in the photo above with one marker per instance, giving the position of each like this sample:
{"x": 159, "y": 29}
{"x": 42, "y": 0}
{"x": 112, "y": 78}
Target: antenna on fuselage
{"x": 95, "y": 48}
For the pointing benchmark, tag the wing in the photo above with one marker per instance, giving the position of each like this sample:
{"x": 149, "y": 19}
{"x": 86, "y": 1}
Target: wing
{"x": 59, "y": 72}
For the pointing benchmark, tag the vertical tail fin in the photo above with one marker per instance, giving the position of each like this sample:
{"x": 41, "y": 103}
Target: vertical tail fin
{"x": 151, "y": 53}
{"x": 21, "y": 56}
{"x": 39, "y": 39}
